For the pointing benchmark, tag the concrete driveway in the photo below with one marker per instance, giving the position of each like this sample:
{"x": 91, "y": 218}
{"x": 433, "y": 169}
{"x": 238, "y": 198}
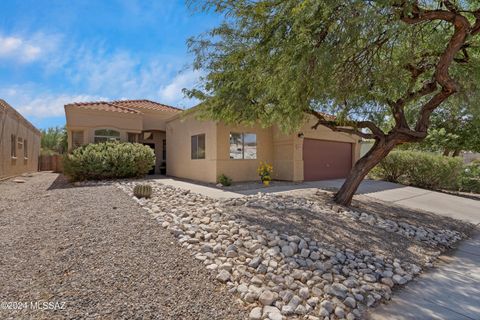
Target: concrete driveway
{"x": 415, "y": 198}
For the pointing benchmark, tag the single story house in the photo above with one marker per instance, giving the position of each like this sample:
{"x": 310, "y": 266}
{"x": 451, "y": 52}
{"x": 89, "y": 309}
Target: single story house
{"x": 19, "y": 143}
{"x": 202, "y": 150}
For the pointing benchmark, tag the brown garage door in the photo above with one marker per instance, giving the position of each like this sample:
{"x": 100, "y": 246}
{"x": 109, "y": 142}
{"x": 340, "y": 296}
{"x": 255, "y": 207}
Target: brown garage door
{"x": 326, "y": 159}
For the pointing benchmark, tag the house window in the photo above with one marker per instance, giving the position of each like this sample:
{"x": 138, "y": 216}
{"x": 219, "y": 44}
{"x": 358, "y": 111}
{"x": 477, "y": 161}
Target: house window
{"x": 77, "y": 139}
{"x": 164, "y": 149}
{"x": 132, "y": 137}
{"x": 243, "y": 145}
{"x": 20, "y": 143}
{"x": 25, "y": 149}
{"x": 198, "y": 146}
{"x": 104, "y": 135}
{"x": 13, "y": 146}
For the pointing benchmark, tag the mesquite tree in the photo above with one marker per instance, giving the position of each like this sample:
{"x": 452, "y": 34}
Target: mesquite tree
{"x": 381, "y": 67}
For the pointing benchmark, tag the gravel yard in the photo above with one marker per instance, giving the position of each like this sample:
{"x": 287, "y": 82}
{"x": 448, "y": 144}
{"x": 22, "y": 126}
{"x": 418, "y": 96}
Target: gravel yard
{"x": 298, "y": 256}
{"x": 96, "y": 250}
{"x": 181, "y": 255}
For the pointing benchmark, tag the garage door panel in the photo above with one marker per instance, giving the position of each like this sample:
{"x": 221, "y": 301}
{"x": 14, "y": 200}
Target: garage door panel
{"x": 326, "y": 159}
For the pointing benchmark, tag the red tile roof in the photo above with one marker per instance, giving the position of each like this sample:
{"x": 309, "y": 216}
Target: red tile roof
{"x": 124, "y": 106}
{"x": 146, "y": 104}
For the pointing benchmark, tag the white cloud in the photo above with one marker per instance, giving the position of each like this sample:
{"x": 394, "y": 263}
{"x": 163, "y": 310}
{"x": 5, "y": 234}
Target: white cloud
{"x": 26, "y": 50}
{"x": 172, "y": 92}
{"x": 49, "y": 105}
{"x": 89, "y": 72}
{"x": 123, "y": 74}
{"x": 41, "y": 106}
{"x": 9, "y": 45}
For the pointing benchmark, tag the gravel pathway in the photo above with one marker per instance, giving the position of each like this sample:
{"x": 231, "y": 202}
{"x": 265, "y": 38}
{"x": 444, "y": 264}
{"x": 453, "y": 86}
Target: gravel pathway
{"x": 97, "y": 254}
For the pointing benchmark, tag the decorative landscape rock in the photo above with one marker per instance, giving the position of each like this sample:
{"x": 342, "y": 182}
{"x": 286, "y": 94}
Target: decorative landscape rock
{"x": 280, "y": 275}
{"x": 283, "y": 202}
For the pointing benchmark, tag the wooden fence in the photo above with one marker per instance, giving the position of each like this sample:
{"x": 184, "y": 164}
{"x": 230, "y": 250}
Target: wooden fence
{"x": 50, "y": 163}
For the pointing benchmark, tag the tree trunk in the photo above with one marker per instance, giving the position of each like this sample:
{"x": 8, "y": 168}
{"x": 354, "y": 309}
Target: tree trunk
{"x": 446, "y": 152}
{"x": 361, "y": 168}
{"x": 456, "y": 153}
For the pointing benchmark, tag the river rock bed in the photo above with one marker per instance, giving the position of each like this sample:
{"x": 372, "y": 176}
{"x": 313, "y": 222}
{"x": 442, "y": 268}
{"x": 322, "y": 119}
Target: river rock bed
{"x": 427, "y": 235}
{"x": 280, "y": 275}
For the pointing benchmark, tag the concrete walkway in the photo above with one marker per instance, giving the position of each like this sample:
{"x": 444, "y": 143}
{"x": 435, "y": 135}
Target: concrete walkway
{"x": 211, "y": 192}
{"x": 449, "y": 292}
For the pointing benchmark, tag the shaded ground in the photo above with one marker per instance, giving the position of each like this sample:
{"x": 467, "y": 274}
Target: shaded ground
{"x": 388, "y": 210}
{"x": 346, "y": 233}
{"x": 96, "y": 250}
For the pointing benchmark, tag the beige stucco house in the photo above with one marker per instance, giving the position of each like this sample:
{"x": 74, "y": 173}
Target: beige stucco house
{"x": 19, "y": 143}
{"x": 202, "y": 150}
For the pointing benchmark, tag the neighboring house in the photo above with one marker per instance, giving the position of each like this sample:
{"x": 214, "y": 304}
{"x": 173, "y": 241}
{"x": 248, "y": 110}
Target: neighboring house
{"x": 202, "y": 150}
{"x": 19, "y": 143}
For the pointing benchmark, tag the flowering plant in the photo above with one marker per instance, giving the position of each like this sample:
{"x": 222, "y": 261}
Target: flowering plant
{"x": 265, "y": 171}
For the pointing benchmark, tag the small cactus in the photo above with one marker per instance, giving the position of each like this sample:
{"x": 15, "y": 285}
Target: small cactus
{"x": 142, "y": 191}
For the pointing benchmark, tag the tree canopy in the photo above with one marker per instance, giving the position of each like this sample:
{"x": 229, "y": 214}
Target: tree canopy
{"x": 382, "y": 67}
{"x": 453, "y": 129}
{"x": 54, "y": 139}
{"x": 272, "y": 60}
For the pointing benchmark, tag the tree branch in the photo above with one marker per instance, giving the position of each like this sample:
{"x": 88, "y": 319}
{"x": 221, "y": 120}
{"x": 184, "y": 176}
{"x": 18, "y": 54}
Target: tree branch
{"x": 350, "y": 126}
{"x": 448, "y": 85}
{"x": 450, "y": 6}
{"x": 476, "y": 27}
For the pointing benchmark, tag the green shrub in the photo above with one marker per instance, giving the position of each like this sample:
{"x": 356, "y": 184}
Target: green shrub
{"x": 470, "y": 178}
{"x": 48, "y": 152}
{"x": 394, "y": 167}
{"x": 108, "y": 160}
{"x": 224, "y": 180}
{"x": 421, "y": 169}
{"x": 432, "y": 171}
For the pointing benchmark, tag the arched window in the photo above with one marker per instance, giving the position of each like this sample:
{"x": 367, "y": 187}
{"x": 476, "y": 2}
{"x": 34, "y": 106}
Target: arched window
{"x": 103, "y": 135}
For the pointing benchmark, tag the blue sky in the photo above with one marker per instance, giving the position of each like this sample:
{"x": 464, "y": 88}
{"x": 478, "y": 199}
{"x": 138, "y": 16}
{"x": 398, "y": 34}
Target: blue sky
{"x": 53, "y": 52}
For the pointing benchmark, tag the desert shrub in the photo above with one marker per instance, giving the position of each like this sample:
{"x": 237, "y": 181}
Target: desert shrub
{"x": 393, "y": 167}
{"x": 108, "y": 160}
{"x": 469, "y": 180}
{"x": 224, "y": 180}
{"x": 433, "y": 171}
{"x": 421, "y": 169}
